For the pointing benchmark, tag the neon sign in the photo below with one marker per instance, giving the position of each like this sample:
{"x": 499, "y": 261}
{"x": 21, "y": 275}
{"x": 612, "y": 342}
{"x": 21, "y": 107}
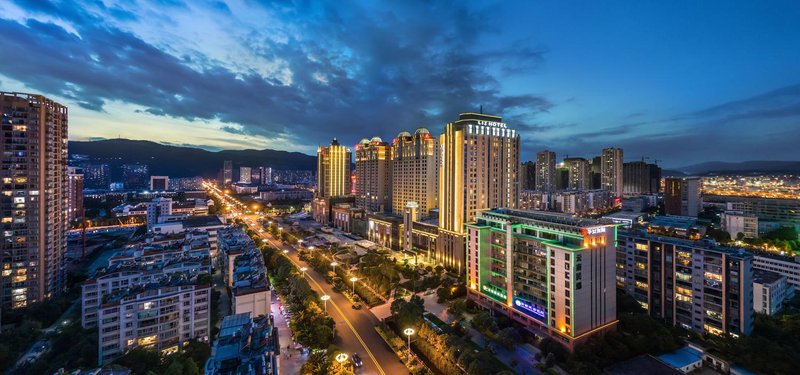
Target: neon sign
{"x": 595, "y": 230}
{"x": 492, "y": 123}
{"x": 493, "y": 292}
{"x": 530, "y": 309}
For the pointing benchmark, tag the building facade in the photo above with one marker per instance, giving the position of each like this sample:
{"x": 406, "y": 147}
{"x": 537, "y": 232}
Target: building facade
{"x": 479, "y": 170}
{"x": 579, "y": 178}
{"x": 640, "y": 178}
{"x": 527, "y": 175}
{"x": 691, "y": 284}
{"x": 227, "y": 172}
{"x": 611, "y": 170}
{"x": 333, "y": 170}
{"x": 34, "y": 201}
{"x": 551, "y": 272}
{"x": 160, "y": 318}
{"x": 374, "y": 175}
{"x": 736, "y": 222}
{"x": 415, "y": 171}
{"x": 74, "y": 193}
{"x": 770, "y": 290}
{"x": 135, "y": 176}
{"x": 159, "y": 183}
{"x": 682, "y": 196}
{"x": 546, "y": 171}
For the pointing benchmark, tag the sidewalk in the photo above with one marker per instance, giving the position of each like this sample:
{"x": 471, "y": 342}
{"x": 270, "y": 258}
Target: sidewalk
{"x": 286, "y": 364}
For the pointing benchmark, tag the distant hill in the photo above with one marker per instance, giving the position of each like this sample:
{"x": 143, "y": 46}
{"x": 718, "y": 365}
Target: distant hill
{"x": 745, "y": 167}
{"x": 177, "y": 161}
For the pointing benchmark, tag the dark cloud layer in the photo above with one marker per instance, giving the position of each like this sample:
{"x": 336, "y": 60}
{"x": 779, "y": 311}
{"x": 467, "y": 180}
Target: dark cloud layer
{"x": 374, "y": 79}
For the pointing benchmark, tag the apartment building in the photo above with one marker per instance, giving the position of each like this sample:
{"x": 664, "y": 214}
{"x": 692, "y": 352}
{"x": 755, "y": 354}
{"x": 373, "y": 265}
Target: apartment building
{"x": 692, "y": 284}
{"x": 160, "y": 317}
{"x": 34, "y": 203}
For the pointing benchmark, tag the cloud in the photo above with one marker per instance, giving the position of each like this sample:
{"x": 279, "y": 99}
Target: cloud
{"x": 317, "y": 71}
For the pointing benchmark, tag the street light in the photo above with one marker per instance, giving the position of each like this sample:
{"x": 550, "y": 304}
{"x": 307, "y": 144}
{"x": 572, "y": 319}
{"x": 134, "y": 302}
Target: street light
{"x": 264, "y": 240}
{"x": 325, "y": 299}
{"x": 334, "y": 264}
{"x": 341, "y": 357}
{"x": 409, "y": 332}
{"x": 354, "y": 279}
{"x": 303, "y": 270}
{"x": 286, "y": 252}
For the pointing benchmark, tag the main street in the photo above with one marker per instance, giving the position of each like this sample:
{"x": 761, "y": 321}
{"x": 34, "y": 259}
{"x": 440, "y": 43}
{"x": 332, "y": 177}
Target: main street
{"x": 355, "y": 328}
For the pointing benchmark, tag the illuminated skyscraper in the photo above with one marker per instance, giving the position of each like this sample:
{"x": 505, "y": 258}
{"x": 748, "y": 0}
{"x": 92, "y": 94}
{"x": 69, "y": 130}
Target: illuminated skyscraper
{"x": 374, "y": 175}
{"x": 546, "y": 170}
{"x": 415, "y": 172}
{"x": 333, "y": 170}
{"x": 34, "y": 202}
{"x": 479, "y": 170}
{"x": 74, "y": 193}
{"x": 611, "y": 170}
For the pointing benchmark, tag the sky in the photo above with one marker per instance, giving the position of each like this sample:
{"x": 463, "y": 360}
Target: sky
{"x": 681, "y": 82}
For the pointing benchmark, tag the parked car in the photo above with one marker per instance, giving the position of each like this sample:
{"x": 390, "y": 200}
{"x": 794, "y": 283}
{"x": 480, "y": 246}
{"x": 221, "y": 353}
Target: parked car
{"x": 356, "y": 306}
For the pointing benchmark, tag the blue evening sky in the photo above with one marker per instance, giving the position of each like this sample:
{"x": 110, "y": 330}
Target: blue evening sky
{"x": 680, "y": 81}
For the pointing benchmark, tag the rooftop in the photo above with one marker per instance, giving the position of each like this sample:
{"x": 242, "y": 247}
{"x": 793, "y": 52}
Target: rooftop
{"x": 682, "y": 357}
{"x": 543, "y": 216}
{"x": 765, "y": 277}
{"x": 643, "y": 364}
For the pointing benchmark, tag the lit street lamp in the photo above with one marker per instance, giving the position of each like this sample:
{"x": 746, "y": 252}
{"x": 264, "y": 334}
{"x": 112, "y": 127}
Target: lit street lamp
{"x": 325, "y": 299}
{"x": 303, "y": 270}
{"x": 354, "y": 279}
{"x": 409, "y": 332}
{"x": 334, "y": 264}
{"x": 341, "y": 357}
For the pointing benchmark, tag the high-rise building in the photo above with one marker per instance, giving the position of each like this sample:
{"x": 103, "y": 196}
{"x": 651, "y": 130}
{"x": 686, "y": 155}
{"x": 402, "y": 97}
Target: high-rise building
{"x": 156, "y": 208}
{"x": 479, "y": 169}
{"x": 333, "y": 170}
{"x": 96, "y": 176}
{"x": 553, "y": 273}
{"x": 527, "y": 175}
{"x": 374, "y": 175}
{"x": 415, "y": 172}
{"x": 640, "y": 178}
{"x": 227, "y": 172}
{"x": 245, "y": 177}
{"x": 691, "y": 284}
{"x": 74, "y": 193}
{"x": 159, "y": 183}
{"x": 34, "y": 212}
{"x": 135, "y": 176}
{"x": 595, "y": 173}
{"x": 579, "y": 178}
{"x": 682, "y": 196}
{"x": 264, "y": 175}
{"x": 546, "y": 170}
{"x": 611, "y": 170}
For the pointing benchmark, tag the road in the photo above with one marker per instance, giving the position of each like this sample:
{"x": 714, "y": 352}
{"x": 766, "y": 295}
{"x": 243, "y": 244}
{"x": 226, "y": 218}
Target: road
{"x": 355, "y": 328}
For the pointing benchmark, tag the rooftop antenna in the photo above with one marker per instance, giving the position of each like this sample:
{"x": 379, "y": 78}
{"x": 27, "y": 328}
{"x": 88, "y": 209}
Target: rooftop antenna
{"x": 481, "y": 110}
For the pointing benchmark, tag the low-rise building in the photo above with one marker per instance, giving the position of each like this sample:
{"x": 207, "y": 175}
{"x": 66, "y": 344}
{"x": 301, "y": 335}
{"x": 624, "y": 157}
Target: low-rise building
{"x": 784, "y": 265}
{"x": 285, "y": 194}
{"x": 244, "y": 346}
{"x": 770, "y": 290}
{"x": 735, "y": 222}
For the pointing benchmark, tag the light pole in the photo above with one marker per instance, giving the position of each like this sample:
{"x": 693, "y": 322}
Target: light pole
{"x": 334, "y": 264}
{"x": 303, "y": 270}
{"x": 341, "y": 357}
{"x": 409, "y": 332}
{"x": 286, "y": 252}
{"x": 325, "y": 299}
{"x": 354, "y": 279}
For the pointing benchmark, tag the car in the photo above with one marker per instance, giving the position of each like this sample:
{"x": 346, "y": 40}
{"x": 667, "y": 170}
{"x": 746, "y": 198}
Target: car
{"x": 356, "y": 306}
{"x": 357, "y": 360}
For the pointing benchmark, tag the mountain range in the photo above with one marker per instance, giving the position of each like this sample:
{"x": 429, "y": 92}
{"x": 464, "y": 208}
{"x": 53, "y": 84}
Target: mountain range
{"x": 176, "y": 161}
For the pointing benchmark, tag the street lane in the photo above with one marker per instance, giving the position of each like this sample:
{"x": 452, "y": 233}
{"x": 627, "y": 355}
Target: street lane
{"x": 355, "y": 327}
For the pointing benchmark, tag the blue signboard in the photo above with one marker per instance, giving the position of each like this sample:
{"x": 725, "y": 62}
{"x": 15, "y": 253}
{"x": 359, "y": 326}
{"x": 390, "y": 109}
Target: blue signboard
{"x": 530, "y": 309}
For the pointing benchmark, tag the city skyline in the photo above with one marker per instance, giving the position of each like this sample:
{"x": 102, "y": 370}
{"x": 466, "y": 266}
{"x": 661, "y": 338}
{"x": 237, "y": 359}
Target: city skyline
{"x": 270, "y": 82}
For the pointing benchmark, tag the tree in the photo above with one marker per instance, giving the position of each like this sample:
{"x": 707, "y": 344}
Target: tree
{"x": 549, "y": 360}
{"x": 140, "y": 360}
{"x": 739, "y": 236}
{"x": 442, "y": 294}
{"x": 457, "y": 307}
{"x": 484, "y": 322}
{"x": 508, "y": 337}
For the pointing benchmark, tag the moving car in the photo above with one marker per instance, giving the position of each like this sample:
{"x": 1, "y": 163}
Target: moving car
{"x": 357, "y": 360}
